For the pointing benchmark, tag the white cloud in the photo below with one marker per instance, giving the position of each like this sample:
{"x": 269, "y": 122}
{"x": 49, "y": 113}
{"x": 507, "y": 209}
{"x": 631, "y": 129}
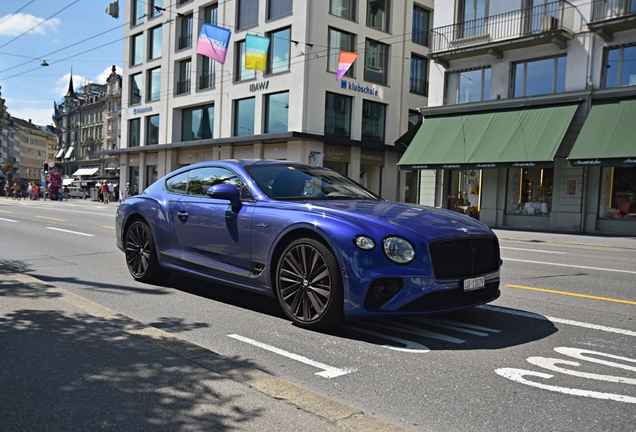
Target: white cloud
{"x": 17, "y": 24}
{"x": 38, "y": 111}
{"x": 61, "y": 84}
{"x": 102, "y": 77}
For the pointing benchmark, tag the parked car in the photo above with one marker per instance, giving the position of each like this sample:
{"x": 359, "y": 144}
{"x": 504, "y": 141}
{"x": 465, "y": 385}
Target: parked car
{"x": 326, "y": 247}
{"x": 76, "y": 192}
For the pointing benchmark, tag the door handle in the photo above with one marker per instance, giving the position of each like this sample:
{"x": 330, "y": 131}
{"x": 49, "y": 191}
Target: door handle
{"x": 182, "y": 216}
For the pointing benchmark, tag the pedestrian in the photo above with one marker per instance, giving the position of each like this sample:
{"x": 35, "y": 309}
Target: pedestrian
{"x": 66, "y": 192}
{"x": 127, "y": 191}
{"x": 36, "y": 191}
{"x": 30, "y": 190}
{"x": 16, "y": 189}
{"x": 105, "y": 192}
{"x": 7, "y": 189}
{"x": 116, "y": 192}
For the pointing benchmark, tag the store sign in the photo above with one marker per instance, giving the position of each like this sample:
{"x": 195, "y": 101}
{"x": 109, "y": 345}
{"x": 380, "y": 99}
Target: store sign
{"x": 142, "y": 110}
{"x": 196, "y": 156}
{"x": 259, "y": 86}
{"x": 374, "y": 158}
{"x": 348, "y": 85}
{"x": 337, "y": 154}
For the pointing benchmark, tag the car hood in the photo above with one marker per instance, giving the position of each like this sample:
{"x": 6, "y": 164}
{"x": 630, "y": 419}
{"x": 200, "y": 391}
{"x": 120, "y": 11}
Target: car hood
{"x": 428, "y": 222}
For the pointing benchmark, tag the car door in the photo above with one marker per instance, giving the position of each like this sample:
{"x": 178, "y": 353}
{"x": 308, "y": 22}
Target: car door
{"x": 213, "y": 237}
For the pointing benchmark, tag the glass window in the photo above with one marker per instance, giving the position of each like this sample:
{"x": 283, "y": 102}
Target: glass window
{"x": 279, "y": 51}
{"x": 178, "y": 184}
{"x": 202, "y": 179}
{"x": 376, "y": 62}
{"x": 421, "y": 19}
{"x": 338, "y": 114}
{"x": 198, "y": 123}
{"x": 208, "y": 66}
{"x": 344, "y": 9}
{"x": 185, "y": 35}
{"x": 137, "y": 54}
{"x": 620, "y": 69}
{"x": 139, "y": 11}
{"x": 339, "y": 41}
{"x": 135, "y": 89}
{"x": 474, "y": 86}
{"x": 418, "y": 83}
{"x": 242, "y": 73}
{"x": 134, "y": 132}
{"x": 152, "y": 129}
{"x": 539, "y": 77}
{"x": 529, "y": 191}
{"x": 618, "y": 192}
{"x": 471, "y": 17}
{"x": 373, "y": 115}
{"x": 277, "y": 112}
{"x": 244, "y": 116}
{"x": 154, "y": 84}
{"x": 210, "y": 14}
{"x": 247, "y": 13}
{"x": 183, "y": 85}
{"x": 156, "y": 7}
{"x": 156, "y": 35}
{"x": 152, "y": 174}
{"x": 278, "y": 8}
{"x": 378, "y": 14}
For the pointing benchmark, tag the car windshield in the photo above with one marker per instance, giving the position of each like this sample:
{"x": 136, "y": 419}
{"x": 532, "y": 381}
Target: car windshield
{"x": 300, "y": 182}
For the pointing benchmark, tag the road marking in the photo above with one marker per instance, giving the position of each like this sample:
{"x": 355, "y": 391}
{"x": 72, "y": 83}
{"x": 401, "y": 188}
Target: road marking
{"x": 571, "y": 294}
{"x": 71, "y": 232}
{"x": 406, "y": 328}
{"x": 328, "y": 371}
{"x": 569, "y": 265}
{"x": 410, "y": 346}
{"x": 532, "y": 250}
{"x": 109, "y": 227}
{"x": 449, "y": 325}
{"x": 557, "y": 320}
{"x": 6, "y": 211}
{"x": 50, "y": 218}
{"x": 8, "y": 220}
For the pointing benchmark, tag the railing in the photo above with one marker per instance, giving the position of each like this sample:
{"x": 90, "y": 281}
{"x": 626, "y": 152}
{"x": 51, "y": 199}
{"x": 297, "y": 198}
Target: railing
{"x": 418, "y": 86}
{"x": 183, "y": 86}
{"x": 608, "y": 9}
{"x": 206, "y": 81}
{"x": 185, "y": 41}
{"x": 558, "y": 15}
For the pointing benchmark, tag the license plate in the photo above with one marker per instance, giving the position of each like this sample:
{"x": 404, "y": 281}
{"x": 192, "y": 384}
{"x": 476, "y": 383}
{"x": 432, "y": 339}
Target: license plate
{"x": 474, "y": 283}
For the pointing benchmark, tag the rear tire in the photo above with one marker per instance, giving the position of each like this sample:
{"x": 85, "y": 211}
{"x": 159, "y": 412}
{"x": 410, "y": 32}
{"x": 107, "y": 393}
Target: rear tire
{"x": 141, "y": 254}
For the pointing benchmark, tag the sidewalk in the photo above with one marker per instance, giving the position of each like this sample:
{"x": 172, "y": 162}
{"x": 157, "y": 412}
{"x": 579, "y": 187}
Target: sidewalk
{"x": 601, "y": 240}
{"x": 67, "y": 363}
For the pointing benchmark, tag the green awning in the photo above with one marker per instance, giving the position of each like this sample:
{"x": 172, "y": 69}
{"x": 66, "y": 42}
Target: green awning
{"x": 507, "y": 139}
{"x": 408, "y": 136}
{"x": 608, "y": 137}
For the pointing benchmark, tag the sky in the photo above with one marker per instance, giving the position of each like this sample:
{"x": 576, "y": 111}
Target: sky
{"x": 75, "y": 35}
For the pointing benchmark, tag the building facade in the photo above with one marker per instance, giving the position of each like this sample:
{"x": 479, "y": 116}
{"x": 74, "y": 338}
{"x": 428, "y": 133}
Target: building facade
{"x": 180, "y": 107}
{"x": 530, "y": 116}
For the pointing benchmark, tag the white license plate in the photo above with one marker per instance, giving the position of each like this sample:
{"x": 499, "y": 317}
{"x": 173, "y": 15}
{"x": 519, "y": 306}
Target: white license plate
{"x": 474, "y": 283}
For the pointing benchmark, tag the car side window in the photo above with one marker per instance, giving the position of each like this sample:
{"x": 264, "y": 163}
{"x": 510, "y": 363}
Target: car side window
{"x": 202, "y": 179}
{"x": 178, "y": 184}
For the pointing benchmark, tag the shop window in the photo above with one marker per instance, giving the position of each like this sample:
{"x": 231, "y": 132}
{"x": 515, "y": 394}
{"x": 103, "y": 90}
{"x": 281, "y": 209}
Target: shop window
{"x": 152, "y": 129}
{"x": 198, "y": 123}
{"x": 277, "y": 112}
{"x": 152, "y": 174}
{"x": 373, "y": 120}
{"x": 344, "y": 9}
{"x": 529, "y": 191}
{"x": 244, "y": 116}
{"x": 618, "y": 193}
{"x": 539, "y": 77}
{"x": 620, "y": 69}
{"x": 338, "y": 114}
{"x": 134, "y": 132}
{"x": 464, "y": 195}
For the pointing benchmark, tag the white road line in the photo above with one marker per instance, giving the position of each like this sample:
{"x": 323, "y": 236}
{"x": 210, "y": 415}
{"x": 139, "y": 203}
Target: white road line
{"x": 8, "y": 220}
{"x": 328, "y": 371}
{"x": 71, "y": 232}
{"x": 558, "y": 320}
{"x": 465, "y": 325}
{"x": 398, "y": 326}
{"x": 569, "y": 265}
{"x": 532, "y": 250}
{"x": 410, "y": 346}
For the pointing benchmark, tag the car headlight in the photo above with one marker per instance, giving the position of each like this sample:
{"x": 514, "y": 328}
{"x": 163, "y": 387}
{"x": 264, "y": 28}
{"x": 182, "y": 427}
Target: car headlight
{"x": 364, "y": 242}
{"x": 398, "y": 250}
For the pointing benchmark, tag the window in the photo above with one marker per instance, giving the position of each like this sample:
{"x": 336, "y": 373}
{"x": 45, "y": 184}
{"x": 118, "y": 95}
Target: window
{"x": 134, "y": 132}
{"x": 242, "y": 73}
{"x": 137, "y": 52}
{"x": 618, "y": 193}
{"x": 244, "y": 117}
{"x": 278, "y": 8}
{"x": 373, "y": 115}
{"x": 418, "y": 84}
{"x": 183, "y": 85}
{"x": 344, "y": 9}
{"x": 185, "y": 34}
{"x": 198, "y": 123}
{"x": 277, "y": 112}
{"x": 376, "y": 62}
{"x": 152, "y": 129}
{"x": 138, "y": 11}
{"x": 156, "y": 35}
{"x": 421, "y": 19}
{"x": 620, "y": 69}
{"x": 135, "y": 89}
{"x": 471, "y": 17}
{"x": 156, "y": 7}
{"x": 339, "y": 41}
{"x": 208, "y": 66}
{"x": 279, "y": 51}
{"x": 247, "y": 13}
{"x": 378, "y": 14}
{"x": 529, "y": 191}
{"x": 202, "y": 179}
{"x": 539, "y": 77}
{"x": 338, "y": 114}
{"x": 178, "y": 184}
{"x": 474, "y": 86}
{"x": 154, "y": 84}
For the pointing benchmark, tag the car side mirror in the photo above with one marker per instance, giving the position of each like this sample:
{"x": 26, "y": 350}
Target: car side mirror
{"x": 226, "y": 191}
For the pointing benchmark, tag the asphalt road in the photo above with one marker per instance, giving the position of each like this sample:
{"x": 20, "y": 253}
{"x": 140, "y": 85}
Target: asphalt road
{"x": 555, "y": 352}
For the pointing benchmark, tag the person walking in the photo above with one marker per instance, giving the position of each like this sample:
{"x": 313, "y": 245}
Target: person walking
{"x": 105, "y": 192}
{"x": 7, "y": 189}
{"x": 36, "y": 191}
{"x": 127, "y": 191}
{"x": 30, "y": 190}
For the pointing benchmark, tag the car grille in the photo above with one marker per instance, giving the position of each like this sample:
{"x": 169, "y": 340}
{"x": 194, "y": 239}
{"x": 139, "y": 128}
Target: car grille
{"x": 460, "y": 258}
{"x": 451, "y": 298}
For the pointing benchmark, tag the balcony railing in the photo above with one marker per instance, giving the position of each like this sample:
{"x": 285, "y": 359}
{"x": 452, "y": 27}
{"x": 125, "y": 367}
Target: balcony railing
{"x": 183, "y": 87}
{"x": 558, "y": 15}
{"x": 609, "y": 9}
{"x": 185, "y": 41}
{"x": 206, "y": 81}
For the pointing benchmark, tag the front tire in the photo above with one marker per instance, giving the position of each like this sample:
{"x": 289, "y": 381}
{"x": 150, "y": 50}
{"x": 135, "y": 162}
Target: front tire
{"x": 309, "y": 284}
{"x": 141, "y": 254}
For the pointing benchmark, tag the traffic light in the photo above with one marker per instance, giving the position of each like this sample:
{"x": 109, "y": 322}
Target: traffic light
{"x": 45, "y": 168}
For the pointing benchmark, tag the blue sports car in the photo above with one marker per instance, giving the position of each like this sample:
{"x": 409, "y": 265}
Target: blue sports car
{"x": 326, "y": 247}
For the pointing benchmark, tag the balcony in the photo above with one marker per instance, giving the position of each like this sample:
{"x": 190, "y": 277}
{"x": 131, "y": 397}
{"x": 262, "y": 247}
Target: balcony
{"x": 551, "y": 23}
{"x": 610, "y": 16}
{"x": 183, "y": 87}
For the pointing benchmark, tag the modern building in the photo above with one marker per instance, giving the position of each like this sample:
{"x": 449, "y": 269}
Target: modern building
{"x": 180, "y": 107}
{"x": 530, "y": 122}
